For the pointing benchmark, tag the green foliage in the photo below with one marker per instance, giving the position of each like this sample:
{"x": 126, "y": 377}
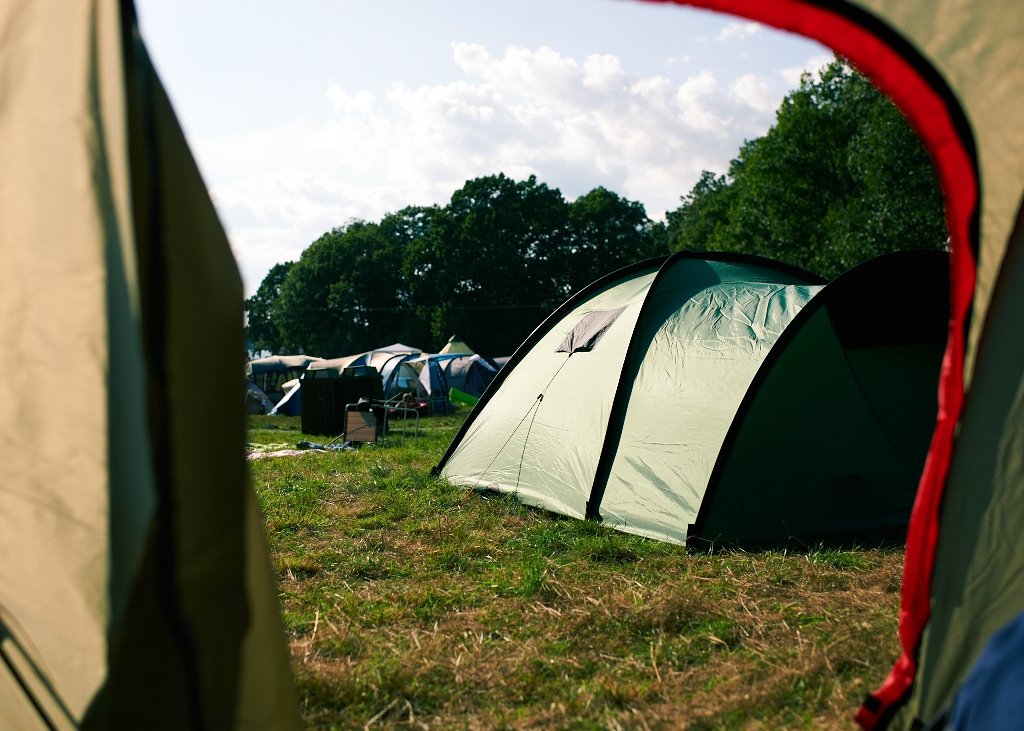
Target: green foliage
{"x": 348, "y": 292}
{"x": 489, "y": 266}
{"x": 261, "y": 331}
{"x": 491, "y": 262}
{"x": 839, "y": 179}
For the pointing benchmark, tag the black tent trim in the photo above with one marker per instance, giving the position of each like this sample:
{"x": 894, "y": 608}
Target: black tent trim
{"x": 837, "y": 290}
{"x": 613, "y": 431}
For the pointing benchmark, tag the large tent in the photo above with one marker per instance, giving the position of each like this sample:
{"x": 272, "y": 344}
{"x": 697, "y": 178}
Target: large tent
{"x": 956, "y": 70}
{"x": 456, "y": 344}
{"x": 471, "y": 374}
{"x": 136, "y": 590}
{"x": 272, "y": 372}
{"x": 721, "y": 397}
{"x": 396, "y": 373}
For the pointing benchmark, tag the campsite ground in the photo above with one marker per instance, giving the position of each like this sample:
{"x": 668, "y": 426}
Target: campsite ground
{"x": 408, "y": 607}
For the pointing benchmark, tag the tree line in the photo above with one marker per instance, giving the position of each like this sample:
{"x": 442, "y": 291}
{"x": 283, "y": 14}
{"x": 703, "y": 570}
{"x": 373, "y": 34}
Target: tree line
{"x": 838, "y": 179}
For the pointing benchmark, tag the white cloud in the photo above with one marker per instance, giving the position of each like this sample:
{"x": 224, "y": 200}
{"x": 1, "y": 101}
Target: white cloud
{"x": 576, "y": 125}
{"x": 673, "y": 60}
{"x": 813, "y": 65}
{"x": 756, "y": 92}
{"x": 738, "y": 31}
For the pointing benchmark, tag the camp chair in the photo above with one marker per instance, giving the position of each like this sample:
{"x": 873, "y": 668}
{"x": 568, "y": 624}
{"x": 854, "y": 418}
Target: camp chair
{"x": 397, "y": 404}
{"x": 362, "y": 423}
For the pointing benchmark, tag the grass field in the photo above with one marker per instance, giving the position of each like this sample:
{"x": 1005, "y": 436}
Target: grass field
{"x": 410, "y": 607}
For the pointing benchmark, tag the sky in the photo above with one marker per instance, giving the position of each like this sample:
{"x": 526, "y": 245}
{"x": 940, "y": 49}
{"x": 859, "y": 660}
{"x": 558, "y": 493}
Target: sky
{"x": 306, "y": 114}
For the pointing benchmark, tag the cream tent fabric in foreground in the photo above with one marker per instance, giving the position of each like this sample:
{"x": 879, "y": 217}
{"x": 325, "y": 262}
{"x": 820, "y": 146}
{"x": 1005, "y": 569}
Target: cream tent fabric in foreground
{"x": 135, "y": 586}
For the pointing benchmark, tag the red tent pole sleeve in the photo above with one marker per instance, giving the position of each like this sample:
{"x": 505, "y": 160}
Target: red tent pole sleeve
{"x": 901, "y": 72}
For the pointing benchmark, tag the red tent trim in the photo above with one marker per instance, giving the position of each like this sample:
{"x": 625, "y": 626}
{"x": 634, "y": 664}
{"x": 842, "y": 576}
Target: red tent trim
{"x": 900, "y": 71}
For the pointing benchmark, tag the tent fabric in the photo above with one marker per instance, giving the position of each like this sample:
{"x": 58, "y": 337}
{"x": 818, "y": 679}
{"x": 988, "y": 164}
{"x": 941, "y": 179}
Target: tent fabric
{"x": 956, "y": 70}
{"x": 856, "y": 371}
{"x": 136, "y": 589}
{"x": 392, "y": 365}
{"x": 991, "y": 697}
{"x": 398, "y": 348}
{"x": 566, "y": 426}
{"x": 470, "y": 374}
{"x": 279, "y": 363}
{"x": 588, "y": 332}
{"x": 291, "y": 403}
{"x": 456, "y": 344}
{"x": 431, "y": 373}
{"x": 681, "y": 426}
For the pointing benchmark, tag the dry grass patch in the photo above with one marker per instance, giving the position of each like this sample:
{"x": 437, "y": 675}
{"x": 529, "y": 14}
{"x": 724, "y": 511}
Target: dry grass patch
{"x": 407, "y": 609}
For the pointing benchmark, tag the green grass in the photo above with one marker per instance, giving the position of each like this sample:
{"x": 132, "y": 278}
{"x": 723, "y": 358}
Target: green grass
{"x": 410, "y": 607}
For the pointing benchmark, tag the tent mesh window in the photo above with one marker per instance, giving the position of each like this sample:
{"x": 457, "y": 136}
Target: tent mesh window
{"x": 588, "y": 332}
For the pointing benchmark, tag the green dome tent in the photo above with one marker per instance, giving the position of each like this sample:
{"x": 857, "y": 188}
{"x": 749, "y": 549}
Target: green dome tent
{"x": 721, "y": 397}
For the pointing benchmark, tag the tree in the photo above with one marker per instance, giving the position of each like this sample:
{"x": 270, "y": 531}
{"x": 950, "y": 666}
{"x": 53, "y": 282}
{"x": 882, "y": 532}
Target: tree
{"x": 693, "y": 226}
{"x": 608, "y": 232}
{"x": 302, "y": 311}
{"x": 838, "y": 179}
{"x": 490, "y": 266}
{"x": 261, "y": 331}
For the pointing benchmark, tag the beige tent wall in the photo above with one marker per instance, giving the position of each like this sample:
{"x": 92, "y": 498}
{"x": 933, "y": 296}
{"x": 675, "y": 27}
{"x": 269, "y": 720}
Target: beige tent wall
{"x": 64, "y": 209}
{"x": 135, "y": 587}
{"x": 547, "y": 451}
{"x": 978, "y": 585}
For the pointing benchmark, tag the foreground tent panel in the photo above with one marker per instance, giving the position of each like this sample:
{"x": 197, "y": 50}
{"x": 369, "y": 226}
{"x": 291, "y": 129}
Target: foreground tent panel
{"x": 135, "y": 586}
{"x": 722, "y": 398}
{"x": 978, "y": 582}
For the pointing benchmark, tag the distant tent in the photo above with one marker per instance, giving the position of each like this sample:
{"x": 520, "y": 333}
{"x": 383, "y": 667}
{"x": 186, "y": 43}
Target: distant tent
{"x": 431, "y": 372}
{"x": 471, "y": 374}
{"x": 456, "y": 344}
{"x": 272, "y": 372}
{"x": 136, "y": 590}
{"x": 721, "y": 398}
{"x": 397, "y": 348}
{"x": 398, "y": 376}
{"x": 291, "y": 403}
{"x": 256, "y": 402}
